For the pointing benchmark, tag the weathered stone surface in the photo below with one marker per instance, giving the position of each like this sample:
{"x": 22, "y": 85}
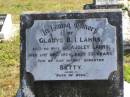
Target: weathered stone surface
{"x": 126, "y": 30}
{"x": 71, "y": 49}
{"x": 5, "y": 26}
{"x": 106, "y": 2}
{"x": 103, "y": 78}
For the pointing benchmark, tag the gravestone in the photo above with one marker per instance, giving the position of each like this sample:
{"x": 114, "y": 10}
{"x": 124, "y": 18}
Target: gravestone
{"x": 126, "y": 30}
{"x": 115, "y": 4}
{"x": 5, "y": 26}
{"x": 76, "y": 54}
{"x": 106, "y": 2}
{"x": 101, "y": 4}
{"x": 2, "y": 19}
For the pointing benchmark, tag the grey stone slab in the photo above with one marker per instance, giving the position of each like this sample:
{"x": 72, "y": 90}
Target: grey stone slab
{"x": 71, "y": 45}
{"x": 77, "y": 54}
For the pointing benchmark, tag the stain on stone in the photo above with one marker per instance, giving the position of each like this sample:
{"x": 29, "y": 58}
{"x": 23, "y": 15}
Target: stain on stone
{"x": 112, "y": 87}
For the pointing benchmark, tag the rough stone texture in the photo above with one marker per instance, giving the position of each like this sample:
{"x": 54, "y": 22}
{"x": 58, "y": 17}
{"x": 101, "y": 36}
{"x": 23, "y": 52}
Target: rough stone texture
{"x": 126, "y": 30}
{"x": 70, "y": 46}
{"x": 113, "y": 87}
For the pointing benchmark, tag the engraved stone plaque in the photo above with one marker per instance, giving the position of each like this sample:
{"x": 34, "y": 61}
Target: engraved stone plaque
{"x": 71, "y": 49}
{"x": 77, "y": 54}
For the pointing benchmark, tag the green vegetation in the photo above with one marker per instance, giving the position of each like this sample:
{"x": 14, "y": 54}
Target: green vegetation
{"x": 9, "y": 51}
{"x": 9, "y": 67}
{"x": 127, "y": 66}
{"x": 16, "y": 7}
{"x": 127, "y": 72}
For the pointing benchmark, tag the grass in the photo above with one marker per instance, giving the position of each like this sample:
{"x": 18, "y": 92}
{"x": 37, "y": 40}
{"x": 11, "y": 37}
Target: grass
{"x": 127, "y": 66}
{"x": 9, "y": 67}
{"x": 9, "y": 51}
{"x": 16, "y": 7}
{"x": 127, "y": 72}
